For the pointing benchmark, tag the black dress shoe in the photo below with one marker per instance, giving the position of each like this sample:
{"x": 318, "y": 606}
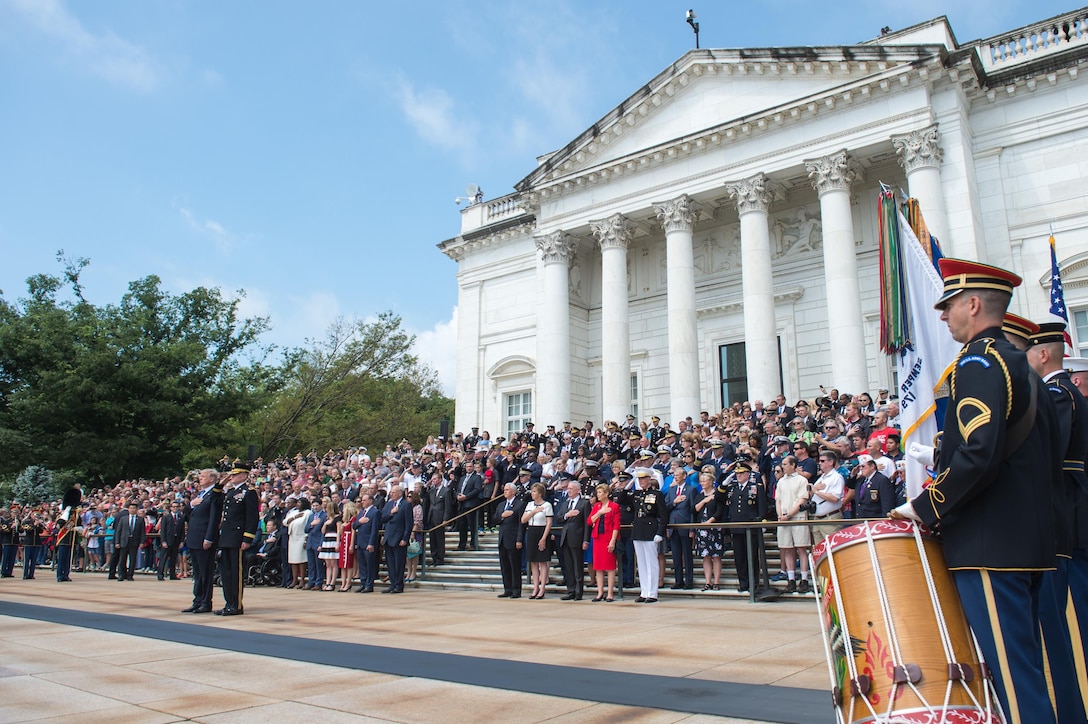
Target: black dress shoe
{"x": 677, "y": 587}
{"x": 387, "y": 590}
{"x": 112, "y": 578}
{"x": 650, "y": 600}
{"x": 174, "y": 578}
{"x": 231, "y": 612}
{"x": 203, "y": 609}
{"x": 503, "y": 595}
{"x": 515, "y": 595}
{"x": 191, "y": 609}
{"x": 578, "y": 597}
{"x": 568, "y": 597}
{"x": 640, "y": 599}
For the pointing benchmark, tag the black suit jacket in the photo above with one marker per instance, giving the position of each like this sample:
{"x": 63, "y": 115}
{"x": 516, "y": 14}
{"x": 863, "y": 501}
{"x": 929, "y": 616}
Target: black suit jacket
{"x": 202, "y": 519}
{"x": 171, "y": 531}
{"x": 573, "y": 531}
{"x": 125, "y": 535}
{"x": 470, "y": 487}
{"x": 510, "y": 527}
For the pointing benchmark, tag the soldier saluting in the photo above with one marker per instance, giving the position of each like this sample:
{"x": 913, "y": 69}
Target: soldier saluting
{"x": 236, "y": 533}
{"x": 647, "y": 530}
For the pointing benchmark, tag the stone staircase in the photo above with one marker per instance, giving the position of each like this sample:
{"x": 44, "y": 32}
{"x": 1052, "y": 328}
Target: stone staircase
{"x": 479, "y": 571}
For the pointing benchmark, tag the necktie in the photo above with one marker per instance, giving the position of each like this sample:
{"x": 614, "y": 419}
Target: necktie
{"x": 509, "y": 504}
{"x": 132, "y": 522}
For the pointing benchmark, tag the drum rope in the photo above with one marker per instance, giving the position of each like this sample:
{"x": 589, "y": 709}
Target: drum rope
{"x": 987, "y": 686}
{"x": 886, "y": 611}
{"x": 848, "y": 641}
{"x": 840, "y": 719}
{"x": 942, "y": 624}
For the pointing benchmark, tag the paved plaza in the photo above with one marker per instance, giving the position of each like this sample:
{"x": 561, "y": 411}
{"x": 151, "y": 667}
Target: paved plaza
{"x": 98, "y": 650}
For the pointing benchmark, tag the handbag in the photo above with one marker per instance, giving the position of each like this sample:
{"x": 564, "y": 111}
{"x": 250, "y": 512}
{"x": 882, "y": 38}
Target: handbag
{"x": 414, "y": 548}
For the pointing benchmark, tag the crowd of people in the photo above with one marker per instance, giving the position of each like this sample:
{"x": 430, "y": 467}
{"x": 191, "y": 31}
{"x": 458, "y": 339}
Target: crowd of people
{"x": 583, "y": 497}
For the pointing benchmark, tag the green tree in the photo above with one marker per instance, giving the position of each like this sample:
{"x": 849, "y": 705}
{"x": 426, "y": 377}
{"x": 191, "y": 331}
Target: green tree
{"x": 361, "y": 385}
{"x": 34, "y": 485}
{"x": 123, "y": 390}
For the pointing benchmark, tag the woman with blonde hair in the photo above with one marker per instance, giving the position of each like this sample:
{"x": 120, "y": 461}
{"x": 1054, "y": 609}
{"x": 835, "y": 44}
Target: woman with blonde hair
{"x": 538, "y": 519}
{"x": 345, "y": 537}
{"x": 329, "y": 551}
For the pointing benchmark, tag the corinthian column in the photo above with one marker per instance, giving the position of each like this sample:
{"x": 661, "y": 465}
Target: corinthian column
{"x": 920, "y": 156}
{"x": 552, "y": 405}
{"x": 614, "y": 233}
{"x": 678, "y": 218}
{"x": 831, "y": 177}
{"x": 753, "y": 196}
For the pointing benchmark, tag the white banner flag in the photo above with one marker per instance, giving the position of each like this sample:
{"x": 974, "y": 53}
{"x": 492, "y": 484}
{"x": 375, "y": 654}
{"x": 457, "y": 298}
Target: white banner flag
{"x": 924, "y": 366}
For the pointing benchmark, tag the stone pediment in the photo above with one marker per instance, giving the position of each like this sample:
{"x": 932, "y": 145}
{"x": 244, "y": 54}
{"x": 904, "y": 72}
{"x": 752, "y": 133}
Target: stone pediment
{"x": 708, "y": 90}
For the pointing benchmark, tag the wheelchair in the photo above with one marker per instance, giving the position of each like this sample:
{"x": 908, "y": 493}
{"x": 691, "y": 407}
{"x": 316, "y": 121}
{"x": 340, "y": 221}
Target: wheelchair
{"x": 266, "y": 572}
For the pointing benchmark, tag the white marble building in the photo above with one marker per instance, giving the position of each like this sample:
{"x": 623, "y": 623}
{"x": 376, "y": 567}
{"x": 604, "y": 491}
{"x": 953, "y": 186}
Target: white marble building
{"x": 714, "y": 236}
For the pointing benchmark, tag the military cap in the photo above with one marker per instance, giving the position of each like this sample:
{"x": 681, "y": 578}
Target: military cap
{"x": 961, "y": 274}
{"x": 1048, "y": 333}
{"x": 1019, "y": 327}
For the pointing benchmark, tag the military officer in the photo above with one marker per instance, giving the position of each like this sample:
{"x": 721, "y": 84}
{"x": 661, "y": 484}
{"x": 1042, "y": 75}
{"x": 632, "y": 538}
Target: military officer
{"x": 9, "y": 539}
{"x": 620, "y": 485}
{"x": 236, "y": 533}
{"x": 647, "y": 530}
{"x": 1045, "y": 348}
{"x": 1078, "y": 563}
{"x": 996, "y": 460}
{"x": 30, "y": 533}
{"x": 745, "y": 500}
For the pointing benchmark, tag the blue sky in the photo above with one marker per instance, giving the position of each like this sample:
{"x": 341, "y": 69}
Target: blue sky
{"x": 310, "y": 153}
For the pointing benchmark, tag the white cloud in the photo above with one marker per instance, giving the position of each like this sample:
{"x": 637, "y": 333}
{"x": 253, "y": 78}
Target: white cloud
{"x": 438, "y": 348}
{"x": 433, "y": 115}
{"x": 105, "y": 54}
{"x": 224, "y": 240}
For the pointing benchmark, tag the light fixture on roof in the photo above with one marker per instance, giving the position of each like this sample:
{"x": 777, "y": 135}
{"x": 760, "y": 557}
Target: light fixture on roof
{"x": 473, "y": 195}
{"x": 694, "y": 26}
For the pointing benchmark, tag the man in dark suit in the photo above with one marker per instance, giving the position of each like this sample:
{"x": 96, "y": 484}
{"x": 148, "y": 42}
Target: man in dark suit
{"x": 573, "y": 539}
{"x": 441, "y": 509}
{"x": 171, "y": 531}
{"x": 397, "y": 524}
{"x": 366, "y": 526}
{"x": 128, "y": 535}
{"x": 202, "y": 536}
{"x": 678, "y": 504}
{"x": 468, "y": 497}
{"x": 876, "y": 493}
{"x": 508, "y": 512}
{"x": 241, "y": 515}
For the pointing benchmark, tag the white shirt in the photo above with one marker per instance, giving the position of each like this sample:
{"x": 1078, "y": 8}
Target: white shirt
{"x": 833, "y": 485}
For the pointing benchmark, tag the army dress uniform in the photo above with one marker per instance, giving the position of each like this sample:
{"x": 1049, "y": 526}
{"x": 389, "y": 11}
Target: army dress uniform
{"x": 998, "y": 464}
{"x": 745, "y": 502}
{"x": 240, "y": 519}
{"x": 1064, "y": 652}
{"x": 9, "y": 539}
{"x": 30, "y": 533}
{"x": 647, "y": 530}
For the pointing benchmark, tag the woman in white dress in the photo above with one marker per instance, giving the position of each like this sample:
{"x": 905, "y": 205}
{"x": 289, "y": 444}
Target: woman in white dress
{"x": 538, "y": 520}
{"x": 297, "y": 521}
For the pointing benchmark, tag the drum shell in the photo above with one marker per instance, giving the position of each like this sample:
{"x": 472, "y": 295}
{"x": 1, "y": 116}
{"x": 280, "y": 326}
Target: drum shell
{"x": 912, "y": 614}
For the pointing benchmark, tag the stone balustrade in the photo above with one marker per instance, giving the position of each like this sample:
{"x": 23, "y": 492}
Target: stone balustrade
{"x": 1027, "y": 44}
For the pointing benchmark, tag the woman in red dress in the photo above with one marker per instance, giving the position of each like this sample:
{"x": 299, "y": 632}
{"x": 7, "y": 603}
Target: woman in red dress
{"x": 604, "y": 522}
{"x": 345, "y": 537}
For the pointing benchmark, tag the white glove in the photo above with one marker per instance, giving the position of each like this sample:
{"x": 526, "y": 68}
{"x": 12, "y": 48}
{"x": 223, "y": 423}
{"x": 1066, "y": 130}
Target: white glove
{"x": 921, "y": 453}
{"x": 658, "y": 539}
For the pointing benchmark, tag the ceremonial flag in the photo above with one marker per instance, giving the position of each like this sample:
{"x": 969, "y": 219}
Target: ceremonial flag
{"x": 1057, "y": 297}
{"x": 924, "y": 358}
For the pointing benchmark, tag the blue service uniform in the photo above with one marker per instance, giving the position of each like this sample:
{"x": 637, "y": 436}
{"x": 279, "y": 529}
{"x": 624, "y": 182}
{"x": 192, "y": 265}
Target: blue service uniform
{"x": 9, "y": 539}
{"x": 985, "y": 478}
{"x": 239, "y": 525}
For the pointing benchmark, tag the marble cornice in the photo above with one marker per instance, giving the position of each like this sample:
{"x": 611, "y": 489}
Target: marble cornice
{"x": 457, "y": 247}
{"x": 577, "y": 170}
{"x": 735, "y": 303}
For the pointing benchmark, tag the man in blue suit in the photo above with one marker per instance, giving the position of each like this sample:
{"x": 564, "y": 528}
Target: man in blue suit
{"x": 315, "y": 566}
{"x": 397, "y": 523}
{"x": 678, "y": 503}
{"x": 202, "y": 538}
{"x": 366, "y": 526}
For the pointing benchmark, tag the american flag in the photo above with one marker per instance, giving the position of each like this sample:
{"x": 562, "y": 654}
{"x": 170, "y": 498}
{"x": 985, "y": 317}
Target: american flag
{"x": 1057, "y": 297}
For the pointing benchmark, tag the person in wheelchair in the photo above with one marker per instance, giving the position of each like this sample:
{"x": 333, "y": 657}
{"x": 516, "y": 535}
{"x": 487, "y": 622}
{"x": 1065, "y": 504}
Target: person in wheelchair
{"x": 263, "y": 566}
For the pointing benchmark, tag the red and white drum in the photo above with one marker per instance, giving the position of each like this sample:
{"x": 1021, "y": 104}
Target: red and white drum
{"x": 898, "y": 645}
